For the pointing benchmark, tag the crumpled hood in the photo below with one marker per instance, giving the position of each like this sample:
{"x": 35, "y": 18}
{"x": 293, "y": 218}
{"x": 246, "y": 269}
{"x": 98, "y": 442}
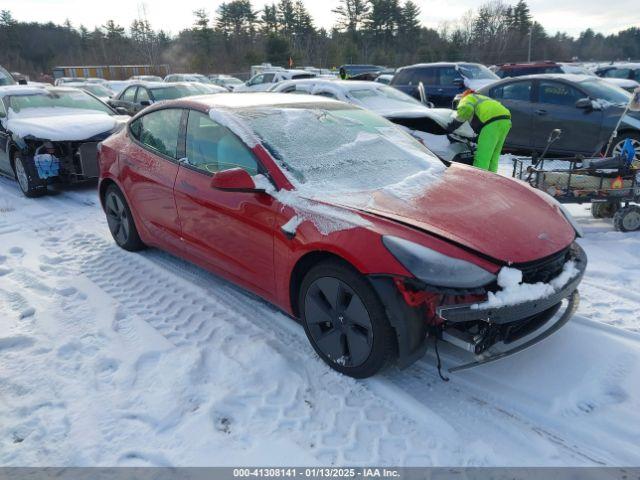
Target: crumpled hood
{"x": 495, "y": 216}
{"x": 72, "y": 127}
{"x": 441, "y": 116}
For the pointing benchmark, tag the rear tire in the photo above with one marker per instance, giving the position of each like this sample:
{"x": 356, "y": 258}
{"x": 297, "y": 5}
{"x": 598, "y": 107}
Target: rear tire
{"x": 26, "y": 176}
{"x": 604, "y": 209}
{"x": 627, "y": 219}
{"x": 120, "y": 221}
{"x": 616, "y": 147}
{"x": 345, "y": 320}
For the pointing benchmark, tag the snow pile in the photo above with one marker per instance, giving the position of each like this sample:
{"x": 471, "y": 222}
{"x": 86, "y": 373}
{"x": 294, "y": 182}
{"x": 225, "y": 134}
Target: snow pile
{"x": 413, "y": 186}
{"x": 513, "y": 291}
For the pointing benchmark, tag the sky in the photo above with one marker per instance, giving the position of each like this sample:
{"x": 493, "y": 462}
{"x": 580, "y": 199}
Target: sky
{"x": 570, "y": 16}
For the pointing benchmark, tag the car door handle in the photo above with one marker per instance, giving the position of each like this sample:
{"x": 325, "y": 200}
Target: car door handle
{"x": 540, "y": 111}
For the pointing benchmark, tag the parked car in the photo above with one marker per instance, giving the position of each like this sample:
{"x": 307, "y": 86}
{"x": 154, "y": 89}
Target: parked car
{"x": 384, "y": 78}
{"x": 395, "y": 106}
{"x": 225, "y": 81}
{"x": 531, "y": 68}
{"x": 579, "y": 69}
{"x": 116, "y": 86}
{"x": 348, "y": 71}
{"x": 62, "y": 80}
{"x": 585, "y": 108}
{"x": 146, "y": 78}
{"x": 186, "y": 77}
{"x": 6, "y": 78}
{"x": 621, "y": 71}
{"x": 343, "y": 221}
{"x": 139, "y": 95}
{"x": 96, "y": 89}
{"x": 442, "y": 81}
{"x": 50, "y": 135}
{"x": 263, "y": 81}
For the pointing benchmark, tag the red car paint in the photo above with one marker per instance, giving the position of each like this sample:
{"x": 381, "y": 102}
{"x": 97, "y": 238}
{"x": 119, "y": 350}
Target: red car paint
{"x": 471, "y": 215}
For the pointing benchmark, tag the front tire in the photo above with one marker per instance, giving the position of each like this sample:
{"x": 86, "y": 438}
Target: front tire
{"x": 120, "y": 221}
{"x": 25, "y": 176}
{"x": 618, "y": 142}
{"x": 604, "y": 209}
{"x": 627, "y": 219}
{"x": 345, "y": 320}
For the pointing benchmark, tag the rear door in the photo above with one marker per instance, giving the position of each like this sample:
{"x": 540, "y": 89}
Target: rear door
{"x": 517, "y": 96}
{"x": 556, "y": 108}
{"x": 5, "y": 161}
{"x": 230, "y": 232}
{"x": 148, "y": 172}
{"x": 127, "y": 100}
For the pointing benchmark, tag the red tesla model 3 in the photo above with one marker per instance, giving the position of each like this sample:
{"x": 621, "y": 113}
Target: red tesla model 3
{"x": 342, "y": 220}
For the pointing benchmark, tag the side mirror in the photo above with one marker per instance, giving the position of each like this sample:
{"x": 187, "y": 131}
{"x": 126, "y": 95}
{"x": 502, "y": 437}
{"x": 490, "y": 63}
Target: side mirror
{"x": 458, "y": 82}
{"x": 122, "y": 111}
{"x": 22, "y": 81}
{"x": 145, "y": 103}
{"x": 584, "y": 103}
{"x": 234, "y": 180}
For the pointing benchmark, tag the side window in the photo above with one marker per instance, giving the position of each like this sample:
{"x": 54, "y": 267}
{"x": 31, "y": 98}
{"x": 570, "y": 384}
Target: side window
{"x": 256, "y": 80}
{"x": 268, "y": 77}
{"x": 129, "y": 94}
{"x": 159, "y": 131}
{"x": 403, "y": 77}
{"x": 513, "y": 91}
{"x": 637, "y": 74}
{"x": 327, "y": 94}
{"x": 428, "y": 76}
{"x": 448, "y": 75}
{"x": 143, "y": 95}
{"x": 617, "y": 73}
{"x": 559, "y": 94}
{"x": 3, "y": 110}
{"x": 213, "y": 148}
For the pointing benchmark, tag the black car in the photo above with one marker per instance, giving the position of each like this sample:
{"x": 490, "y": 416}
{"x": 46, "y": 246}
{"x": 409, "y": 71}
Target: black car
{"x": 585, "y": 108}
{"x": 139, "y": 95}
{"x": 442, "y": 81}
{"x": 349, "y": 71}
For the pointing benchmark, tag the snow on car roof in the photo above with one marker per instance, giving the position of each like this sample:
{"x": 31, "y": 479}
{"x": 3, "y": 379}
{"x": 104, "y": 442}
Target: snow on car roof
{"x": 20, "y": 90}
{"x": 259, "y": 99}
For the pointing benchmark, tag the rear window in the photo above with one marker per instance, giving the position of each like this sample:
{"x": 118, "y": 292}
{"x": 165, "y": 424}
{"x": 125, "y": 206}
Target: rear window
{"x": 172, "y": 92}
{"x": 413, "y": 76}
{"x": 513, "y": 91}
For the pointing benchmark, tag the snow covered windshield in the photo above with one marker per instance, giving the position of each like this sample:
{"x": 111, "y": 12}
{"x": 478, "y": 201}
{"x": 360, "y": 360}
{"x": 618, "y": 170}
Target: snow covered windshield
{"x": 25, "y": 105}
{"x": 339, "y": 146}
{"x": 476, "y": 72}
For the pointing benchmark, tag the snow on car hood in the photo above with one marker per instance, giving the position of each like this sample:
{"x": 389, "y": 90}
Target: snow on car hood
{"x": 60, "y": 124}
{"x": 492, "y": 215}
{"x": 477, "y": 84}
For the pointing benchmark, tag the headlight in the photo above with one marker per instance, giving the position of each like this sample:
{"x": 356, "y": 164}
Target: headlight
{"x": 435, "y": 268}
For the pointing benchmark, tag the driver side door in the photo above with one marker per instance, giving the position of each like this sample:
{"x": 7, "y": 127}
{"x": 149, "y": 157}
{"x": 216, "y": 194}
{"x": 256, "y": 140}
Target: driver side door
{"x": 231, "y": 232}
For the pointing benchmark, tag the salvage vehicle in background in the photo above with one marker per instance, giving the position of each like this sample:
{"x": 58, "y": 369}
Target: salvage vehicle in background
{"x": 579, "y": 69}
{"x": 100, "y": 91}
{"x": 187, "y": 77}
{"x": 226, "y": 81}
{"x": 346, "y": 222}
{"x": 620, "y": 71}
{"x": 146, "y": 78}
{"x": 50, "y": 135}
{"x": 422, "y": 122}
{"x": 263, "y": 81}
{"x": 139, "y": 95}
{"x": 506, "y": 70}
{"x": 442, "y": 81}
{"x": 585, "y": 108}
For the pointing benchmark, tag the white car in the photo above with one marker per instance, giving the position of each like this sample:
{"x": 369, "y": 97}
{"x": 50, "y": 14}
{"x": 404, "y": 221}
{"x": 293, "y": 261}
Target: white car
{"x": 265, "y": 80}
{"x": 424, "y": 123}
{"x": 623, "y": 81}
{"x": 186, "y": 77}
{"x": 96, "y": 89}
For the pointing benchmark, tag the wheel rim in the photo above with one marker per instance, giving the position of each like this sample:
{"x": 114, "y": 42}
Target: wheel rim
{"x": 631, "y": 221}
{"x": 117, "y": 219}
{"x": 21, "y": 175}
{"x": 338, "y": 322}
{"x": 617, "y": 150}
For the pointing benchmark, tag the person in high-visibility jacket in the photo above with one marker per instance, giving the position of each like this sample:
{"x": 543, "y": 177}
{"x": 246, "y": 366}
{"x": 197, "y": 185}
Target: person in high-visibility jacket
{"x": 490, "y": 120}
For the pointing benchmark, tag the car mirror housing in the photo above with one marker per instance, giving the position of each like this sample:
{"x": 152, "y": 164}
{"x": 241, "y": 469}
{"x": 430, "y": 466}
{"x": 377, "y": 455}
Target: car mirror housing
{"x": 234, "y": 180}
{"x": 145, "y": 103}
{"x": 584, "y": 103}
{"x": 122, "y": 111}
{"x": 458, "y": 82}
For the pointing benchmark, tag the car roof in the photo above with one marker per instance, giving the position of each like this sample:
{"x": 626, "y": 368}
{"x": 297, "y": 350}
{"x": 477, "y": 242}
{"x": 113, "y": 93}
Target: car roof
{"x": 621, "y": 65}
{"x": 344, "y": 84}
{"x": 233, "y": 101}
{"x": 570, "y": 77}
{"x": 30, "y": 89}
{"x": 527, "y": 64}
{"x": 439, "y": 64}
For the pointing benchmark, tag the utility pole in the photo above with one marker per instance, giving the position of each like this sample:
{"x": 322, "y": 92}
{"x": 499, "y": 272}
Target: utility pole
{"x": 530, "y": 37}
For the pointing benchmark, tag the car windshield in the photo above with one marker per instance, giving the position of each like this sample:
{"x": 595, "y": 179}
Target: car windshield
{"x": 231, "y": 81}
{"x": 601, "y": 90}
{"x": 476, "y": 72}
{"x": 381, "y": 97}
{"x": 174, "y": 91}
{"x": 98, "y": 90}
{"x": 339, "y": 146}
{"x": 76, "y": 100}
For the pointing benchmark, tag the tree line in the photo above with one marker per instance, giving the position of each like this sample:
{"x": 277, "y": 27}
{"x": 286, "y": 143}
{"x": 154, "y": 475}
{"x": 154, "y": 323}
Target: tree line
{"x": 237, "y": 35}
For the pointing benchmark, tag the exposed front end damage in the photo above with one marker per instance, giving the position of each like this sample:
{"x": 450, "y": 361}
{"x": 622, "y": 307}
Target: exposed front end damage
{"x": 459, "y": 317}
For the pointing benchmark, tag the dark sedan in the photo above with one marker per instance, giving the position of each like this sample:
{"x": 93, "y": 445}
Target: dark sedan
{"x": 142, "y": 94}
{"x": 585, "y": 108}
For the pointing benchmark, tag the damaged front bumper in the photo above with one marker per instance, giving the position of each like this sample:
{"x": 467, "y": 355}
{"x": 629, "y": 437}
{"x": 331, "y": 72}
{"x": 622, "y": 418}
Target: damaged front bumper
{"x": 486, "y": 334}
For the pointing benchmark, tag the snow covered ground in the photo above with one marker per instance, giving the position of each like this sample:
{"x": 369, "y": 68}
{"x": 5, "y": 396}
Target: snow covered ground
{"x": 115, "y": 358}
